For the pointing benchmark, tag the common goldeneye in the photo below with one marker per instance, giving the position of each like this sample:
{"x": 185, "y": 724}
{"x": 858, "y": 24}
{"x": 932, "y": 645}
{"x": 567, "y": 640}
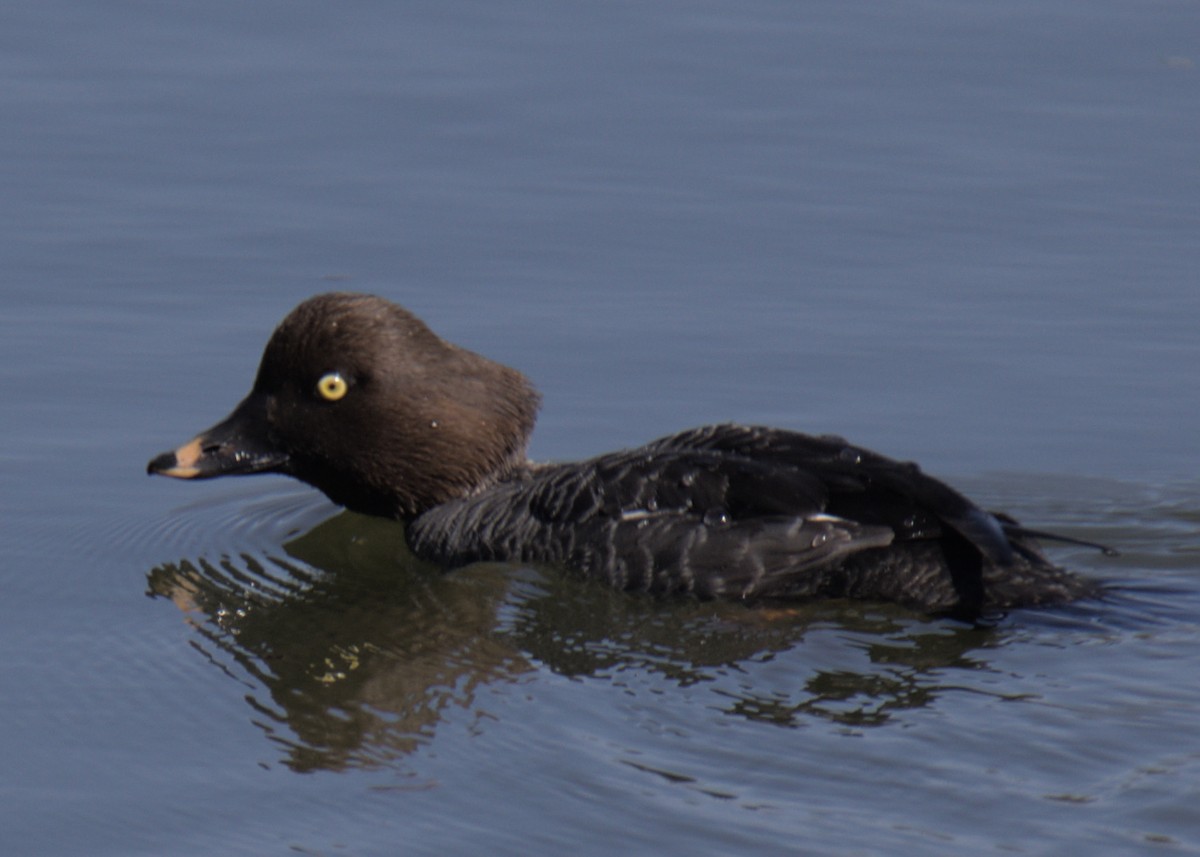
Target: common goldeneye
{"x": 359, "y": 398}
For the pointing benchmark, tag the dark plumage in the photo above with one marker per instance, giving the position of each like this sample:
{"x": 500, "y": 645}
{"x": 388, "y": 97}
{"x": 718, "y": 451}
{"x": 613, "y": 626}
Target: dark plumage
{"x": 357, "y": 397}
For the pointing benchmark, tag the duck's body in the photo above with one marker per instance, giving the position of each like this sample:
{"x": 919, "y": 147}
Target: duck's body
{"x": 357, "y": 397}
{"x": 734, "y": 511}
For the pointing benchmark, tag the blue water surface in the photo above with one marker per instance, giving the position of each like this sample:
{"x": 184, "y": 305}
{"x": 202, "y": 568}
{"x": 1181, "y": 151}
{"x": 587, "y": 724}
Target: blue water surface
{"x": 962, "y": 233}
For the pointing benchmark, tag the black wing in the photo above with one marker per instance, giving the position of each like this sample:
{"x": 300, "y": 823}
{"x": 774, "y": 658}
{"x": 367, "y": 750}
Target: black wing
{"x": 863, "y": 485}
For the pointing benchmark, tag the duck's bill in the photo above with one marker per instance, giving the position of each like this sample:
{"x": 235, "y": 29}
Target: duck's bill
{"x": 232, "y": 447}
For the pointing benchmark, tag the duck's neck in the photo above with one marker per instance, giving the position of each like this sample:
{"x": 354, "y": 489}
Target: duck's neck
{"x": 458, "y": 437}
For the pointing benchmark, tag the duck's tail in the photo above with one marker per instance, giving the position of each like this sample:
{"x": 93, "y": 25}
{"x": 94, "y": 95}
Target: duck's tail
{"x": 1015, "y": 531}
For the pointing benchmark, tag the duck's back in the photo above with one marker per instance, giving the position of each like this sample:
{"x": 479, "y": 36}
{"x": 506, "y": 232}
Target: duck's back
{"x": 748, "y": 512}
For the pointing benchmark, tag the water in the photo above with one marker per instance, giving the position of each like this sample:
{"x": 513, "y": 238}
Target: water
{"x": 957, "y": 233}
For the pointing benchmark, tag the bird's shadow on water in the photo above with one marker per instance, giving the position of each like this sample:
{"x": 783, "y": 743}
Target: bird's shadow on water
{"x": 352, "y": 651}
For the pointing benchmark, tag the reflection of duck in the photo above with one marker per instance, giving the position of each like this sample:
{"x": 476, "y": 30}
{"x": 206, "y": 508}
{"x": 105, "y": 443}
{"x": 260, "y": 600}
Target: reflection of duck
{"x": 359, "y": 398}
{"x": 351, "y": 665}
{"x": 360, "y": 663}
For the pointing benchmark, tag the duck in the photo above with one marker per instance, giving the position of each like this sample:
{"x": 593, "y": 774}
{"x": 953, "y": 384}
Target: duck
{"x": 359, "y": 398}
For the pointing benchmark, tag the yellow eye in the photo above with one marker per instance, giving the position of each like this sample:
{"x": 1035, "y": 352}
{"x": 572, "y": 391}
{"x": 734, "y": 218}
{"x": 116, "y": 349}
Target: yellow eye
{"x": 332, "y": 387}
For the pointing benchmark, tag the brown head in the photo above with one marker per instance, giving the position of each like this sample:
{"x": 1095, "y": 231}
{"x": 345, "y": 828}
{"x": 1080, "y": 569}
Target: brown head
{"x": 357, "y": 397}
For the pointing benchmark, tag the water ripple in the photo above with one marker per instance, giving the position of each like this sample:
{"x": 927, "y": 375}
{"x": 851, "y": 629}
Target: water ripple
{"x": 224, "y": 523}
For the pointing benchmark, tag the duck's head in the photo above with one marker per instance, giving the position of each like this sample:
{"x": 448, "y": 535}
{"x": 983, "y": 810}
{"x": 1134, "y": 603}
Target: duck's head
{"x": 357, "y": 397}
